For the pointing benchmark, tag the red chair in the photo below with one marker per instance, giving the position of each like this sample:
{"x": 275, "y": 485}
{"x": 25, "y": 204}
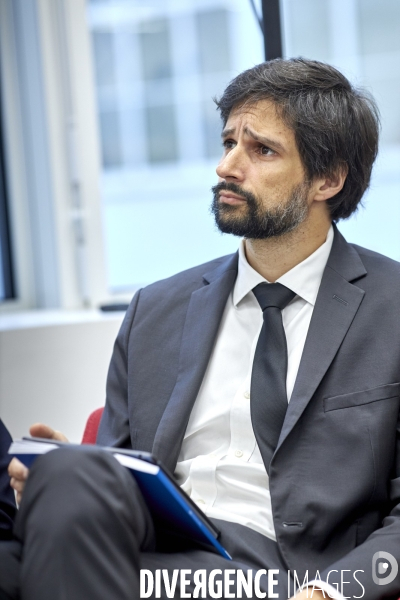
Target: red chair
{"x": 92, "y": 425}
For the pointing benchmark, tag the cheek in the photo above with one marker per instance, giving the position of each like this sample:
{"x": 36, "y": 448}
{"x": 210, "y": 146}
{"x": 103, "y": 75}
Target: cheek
{"x": 278, "y": 189}
{"x": 279, "y": 181}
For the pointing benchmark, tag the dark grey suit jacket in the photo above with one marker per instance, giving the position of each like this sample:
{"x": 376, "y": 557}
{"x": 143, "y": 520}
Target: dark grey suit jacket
{"x": 335, "y": 475}
{"x": 7, "y": 499}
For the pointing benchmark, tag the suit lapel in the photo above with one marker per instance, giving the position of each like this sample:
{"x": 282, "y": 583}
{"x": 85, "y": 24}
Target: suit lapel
{"x": 203, "y": 318}
{"x": 336, "y": 306}
{"x": 337, "y": 303}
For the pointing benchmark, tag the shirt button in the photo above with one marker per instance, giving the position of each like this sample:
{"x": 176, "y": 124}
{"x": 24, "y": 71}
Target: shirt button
{"x": 238, "y": 453}
{"x": 200, "y": 501}
{"x": 247, "y": 395}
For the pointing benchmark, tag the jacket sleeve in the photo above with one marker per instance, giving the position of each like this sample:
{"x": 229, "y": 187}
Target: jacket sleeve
{"x": 7, "y": 498}
{"x": 114, "y": 425}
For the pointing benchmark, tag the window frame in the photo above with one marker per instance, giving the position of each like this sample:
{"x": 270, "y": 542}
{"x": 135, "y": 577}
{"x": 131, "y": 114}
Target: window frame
{"x": 7, "y": 266}
{"x": 57, "y": 240}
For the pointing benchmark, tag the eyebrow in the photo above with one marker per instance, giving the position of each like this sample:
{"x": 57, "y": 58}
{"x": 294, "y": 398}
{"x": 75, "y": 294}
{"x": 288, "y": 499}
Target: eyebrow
{"x": 257, "y": 137}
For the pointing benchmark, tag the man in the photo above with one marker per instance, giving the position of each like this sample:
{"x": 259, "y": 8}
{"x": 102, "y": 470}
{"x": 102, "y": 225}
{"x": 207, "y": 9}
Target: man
{"x": 206, "y": 362}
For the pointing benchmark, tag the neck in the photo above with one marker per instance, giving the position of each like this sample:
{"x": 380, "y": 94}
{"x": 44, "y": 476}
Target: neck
{"x": 277, "y": 255}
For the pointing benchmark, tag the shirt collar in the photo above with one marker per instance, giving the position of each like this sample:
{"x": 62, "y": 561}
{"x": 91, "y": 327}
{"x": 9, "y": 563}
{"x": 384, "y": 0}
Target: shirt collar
{"x": 304, "y": 279}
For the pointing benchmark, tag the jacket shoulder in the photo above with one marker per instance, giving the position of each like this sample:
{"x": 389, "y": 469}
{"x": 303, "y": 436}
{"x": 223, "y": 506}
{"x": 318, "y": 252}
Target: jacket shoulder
{"x": 375, "y": 260}
{"x": 187, "y": 280}
{"x": 382, "y": 279}
{"x": 168, "y": 299}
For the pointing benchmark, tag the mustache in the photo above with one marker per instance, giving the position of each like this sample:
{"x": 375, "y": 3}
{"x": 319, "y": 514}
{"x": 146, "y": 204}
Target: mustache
{"x": 236, "y": 189}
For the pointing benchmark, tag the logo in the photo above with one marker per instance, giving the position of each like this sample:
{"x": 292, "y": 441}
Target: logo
{"x": 380, "y": 566}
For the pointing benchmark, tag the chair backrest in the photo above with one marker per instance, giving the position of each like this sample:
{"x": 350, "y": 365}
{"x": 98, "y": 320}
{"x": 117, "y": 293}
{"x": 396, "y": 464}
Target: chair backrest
{"x": 92, "y": 425}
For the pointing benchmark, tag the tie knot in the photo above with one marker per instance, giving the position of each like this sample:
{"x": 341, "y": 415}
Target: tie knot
{"x": 273, "y": 294}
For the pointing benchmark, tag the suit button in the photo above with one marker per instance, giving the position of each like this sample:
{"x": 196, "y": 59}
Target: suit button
{"x": 238, "y": 454}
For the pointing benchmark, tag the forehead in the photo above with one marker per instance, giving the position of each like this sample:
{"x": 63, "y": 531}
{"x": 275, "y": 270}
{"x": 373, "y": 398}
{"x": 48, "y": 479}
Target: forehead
{"x": 263, "y": 117}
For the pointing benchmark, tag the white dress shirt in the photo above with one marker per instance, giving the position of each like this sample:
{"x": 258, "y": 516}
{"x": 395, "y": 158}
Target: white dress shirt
{"x": 220, "y": 464}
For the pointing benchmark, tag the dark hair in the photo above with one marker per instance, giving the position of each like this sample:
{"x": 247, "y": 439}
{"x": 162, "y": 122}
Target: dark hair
{"x": 335, "y": 124}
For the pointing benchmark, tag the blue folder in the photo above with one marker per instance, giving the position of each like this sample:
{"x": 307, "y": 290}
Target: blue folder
{"x": 170, "y": 506}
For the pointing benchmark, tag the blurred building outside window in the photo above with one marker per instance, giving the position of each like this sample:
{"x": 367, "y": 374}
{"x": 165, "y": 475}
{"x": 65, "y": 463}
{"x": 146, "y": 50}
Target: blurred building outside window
{"x": 157, "y": 67}
{"x": 362, "y": 39}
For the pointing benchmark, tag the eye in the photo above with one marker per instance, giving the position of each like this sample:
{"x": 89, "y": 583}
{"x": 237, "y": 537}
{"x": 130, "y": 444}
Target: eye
{"x": 266, "y": 151}
{"x": 228, "y": 144}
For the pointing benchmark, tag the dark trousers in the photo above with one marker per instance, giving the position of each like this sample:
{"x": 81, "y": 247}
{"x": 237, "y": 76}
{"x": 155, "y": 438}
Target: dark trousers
{"x": 84, "y": 532}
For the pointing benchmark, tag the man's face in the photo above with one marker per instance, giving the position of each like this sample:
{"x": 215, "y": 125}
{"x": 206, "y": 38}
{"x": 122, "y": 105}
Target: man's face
{"x": 262, "y": 190}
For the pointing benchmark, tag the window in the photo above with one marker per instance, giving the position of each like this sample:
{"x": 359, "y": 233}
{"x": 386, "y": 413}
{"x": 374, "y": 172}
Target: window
{"x": 362, "y": 39}
{"x": 155, "y": 66}
{"x": 158, "y": 65}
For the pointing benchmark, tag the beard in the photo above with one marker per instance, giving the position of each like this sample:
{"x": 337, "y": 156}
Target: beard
{"x": 258, "y": 222}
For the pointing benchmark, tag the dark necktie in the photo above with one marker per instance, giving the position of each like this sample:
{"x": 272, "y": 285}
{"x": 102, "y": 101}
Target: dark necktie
{"x": 268, "y": 398}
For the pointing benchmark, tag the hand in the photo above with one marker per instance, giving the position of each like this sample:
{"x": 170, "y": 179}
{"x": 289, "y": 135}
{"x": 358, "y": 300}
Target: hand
{"x": 19, "y": 474}
{"x": 44, "y": 431}
{"x": 17, "y": 471}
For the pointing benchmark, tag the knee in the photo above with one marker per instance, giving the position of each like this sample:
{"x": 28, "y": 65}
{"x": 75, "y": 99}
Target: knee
{"x": 81, "y": 493}
{"x": 73, "y": 467}
{"x": 71, "y": 459}
{"x": 70, "y": 483}
{"x": 78, "y": 484}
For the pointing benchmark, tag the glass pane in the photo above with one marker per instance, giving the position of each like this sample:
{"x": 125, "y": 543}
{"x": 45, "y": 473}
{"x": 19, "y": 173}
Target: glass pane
{"x": 110, "y": 140}
{"x": 160, "y": 133}
{"x": 104, "y": 53}
{"x": 379, "y": 26}
{"x": 212, "y": 129}
{"x": 308, "y": 24}
{"x": 155, "y": 47}
{"x": 161, "y": 136}
{"x": 362, "y": 39}
{"x": 214, "y": 40}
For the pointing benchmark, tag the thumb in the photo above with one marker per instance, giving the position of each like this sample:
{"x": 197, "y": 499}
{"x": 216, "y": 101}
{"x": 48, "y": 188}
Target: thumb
{"x": 44, "y": 431}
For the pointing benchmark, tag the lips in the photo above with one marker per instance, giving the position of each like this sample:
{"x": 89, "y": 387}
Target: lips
{"x": 230, "y": 198}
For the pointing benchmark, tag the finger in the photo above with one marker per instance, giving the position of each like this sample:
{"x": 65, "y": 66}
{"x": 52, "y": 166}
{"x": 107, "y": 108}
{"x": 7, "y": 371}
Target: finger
{"x": 41, "y": 430}
{"x": 45, "y": 431}
{"x": 17, "y": 470}
{"x": 59, "y": 436}
{"x": 17, "y": 484}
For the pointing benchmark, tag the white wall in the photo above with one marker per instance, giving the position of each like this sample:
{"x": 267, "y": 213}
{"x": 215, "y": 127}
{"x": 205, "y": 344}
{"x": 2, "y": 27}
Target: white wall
{"x": 53, "y": 368}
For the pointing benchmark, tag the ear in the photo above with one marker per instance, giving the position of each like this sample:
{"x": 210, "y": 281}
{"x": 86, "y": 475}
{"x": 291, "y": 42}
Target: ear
{"x": 327, "y": 187}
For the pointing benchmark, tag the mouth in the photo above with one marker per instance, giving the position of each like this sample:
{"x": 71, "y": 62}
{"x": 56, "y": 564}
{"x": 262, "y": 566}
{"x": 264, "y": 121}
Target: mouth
{"x": 228, "y": 197}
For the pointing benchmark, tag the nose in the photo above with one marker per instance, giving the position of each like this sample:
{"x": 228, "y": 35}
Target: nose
{"x": 231, "y": 165}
